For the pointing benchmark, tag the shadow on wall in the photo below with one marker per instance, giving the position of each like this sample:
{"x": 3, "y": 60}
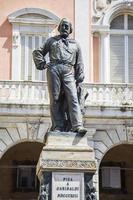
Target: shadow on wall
{"x": 6, "y": 32}
{"x": 6, "y": 43}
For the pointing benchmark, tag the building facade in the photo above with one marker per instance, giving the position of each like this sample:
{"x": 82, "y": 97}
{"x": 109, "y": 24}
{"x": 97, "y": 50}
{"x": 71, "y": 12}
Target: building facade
{"x": 104, "y": 30}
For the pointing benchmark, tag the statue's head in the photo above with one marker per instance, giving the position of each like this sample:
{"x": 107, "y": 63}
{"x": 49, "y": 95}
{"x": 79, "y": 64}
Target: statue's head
{"x": 65, "y": 27}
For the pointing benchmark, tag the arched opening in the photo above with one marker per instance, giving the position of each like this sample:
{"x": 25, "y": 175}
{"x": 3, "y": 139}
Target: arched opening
{"x": 116, "y": 173}
{"x": 18, "y": 171}
{"x": 116, "y": 39}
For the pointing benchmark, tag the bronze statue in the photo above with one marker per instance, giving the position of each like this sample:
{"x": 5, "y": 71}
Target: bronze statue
{"x": 64, "y": 76}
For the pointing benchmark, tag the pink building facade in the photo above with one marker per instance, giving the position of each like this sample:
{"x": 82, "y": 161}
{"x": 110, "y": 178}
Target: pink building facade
{"x": 104, "y": 30}
{"x": 16, "y": 9}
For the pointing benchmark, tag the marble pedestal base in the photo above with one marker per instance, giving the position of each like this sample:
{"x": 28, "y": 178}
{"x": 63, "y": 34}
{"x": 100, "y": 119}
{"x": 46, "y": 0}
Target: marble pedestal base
{"x": 66, "y": 167}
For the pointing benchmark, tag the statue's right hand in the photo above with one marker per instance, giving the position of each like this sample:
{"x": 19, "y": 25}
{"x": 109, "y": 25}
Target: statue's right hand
{"x": 39, "y": 60}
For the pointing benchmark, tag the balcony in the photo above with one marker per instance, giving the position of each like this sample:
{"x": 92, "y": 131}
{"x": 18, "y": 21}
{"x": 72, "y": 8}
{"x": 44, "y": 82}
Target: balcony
{"x": 23, "y": 92}
{"x": 35, "y": 94}
{"x": 112, "y": 95}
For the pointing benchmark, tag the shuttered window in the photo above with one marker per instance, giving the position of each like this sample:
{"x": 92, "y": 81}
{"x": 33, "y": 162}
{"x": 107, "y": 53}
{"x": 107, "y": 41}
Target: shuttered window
{"x": 111, "y": 177}
{"x": 117, "y": 52}
{"x": 130, "y": 58}
{"x": 26, "y": 178}
{"x": 30, "y": 28}
{"x": 121, "y": 48}
{"x": 28, "y": 70}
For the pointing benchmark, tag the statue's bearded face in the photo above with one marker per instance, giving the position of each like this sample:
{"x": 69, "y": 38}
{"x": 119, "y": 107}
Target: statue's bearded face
{"x": 64, "y": 29}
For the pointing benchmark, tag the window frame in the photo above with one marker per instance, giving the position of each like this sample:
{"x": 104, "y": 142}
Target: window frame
{"x": 104, "y": 186}
{"x": 19, "y": 186}
{"x": 105, "y": 48}
{"x": 41, "y": 74}
{"x": 125, "y": 33}
{"x": 24, "y": 21}
{"x": 110, "y": 190}
{"x": 24, "y": 164}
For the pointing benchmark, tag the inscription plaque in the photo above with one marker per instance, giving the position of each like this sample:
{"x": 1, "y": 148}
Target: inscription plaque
{"x": 67, "y": 186}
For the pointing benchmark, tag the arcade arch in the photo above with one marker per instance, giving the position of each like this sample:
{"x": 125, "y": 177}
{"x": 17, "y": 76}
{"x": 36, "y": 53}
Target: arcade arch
{"x": 18, "y": 171}
{"x": 116, "y": 173}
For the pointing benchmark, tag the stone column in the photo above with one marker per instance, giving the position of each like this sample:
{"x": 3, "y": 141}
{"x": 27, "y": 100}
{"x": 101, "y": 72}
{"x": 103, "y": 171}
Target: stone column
{"x": 105, "y": 57}
{"x": 83, "y": 33}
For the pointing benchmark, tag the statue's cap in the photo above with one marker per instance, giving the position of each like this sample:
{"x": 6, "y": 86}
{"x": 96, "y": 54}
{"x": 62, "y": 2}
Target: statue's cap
{"x": 64, "y": 20}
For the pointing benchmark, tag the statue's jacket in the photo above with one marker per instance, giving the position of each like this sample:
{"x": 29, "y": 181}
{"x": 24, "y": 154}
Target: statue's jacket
{"x": 61, "y": 51}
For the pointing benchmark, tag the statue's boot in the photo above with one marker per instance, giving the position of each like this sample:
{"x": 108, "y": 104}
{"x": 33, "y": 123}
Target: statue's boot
{"x": 80, "y": 130}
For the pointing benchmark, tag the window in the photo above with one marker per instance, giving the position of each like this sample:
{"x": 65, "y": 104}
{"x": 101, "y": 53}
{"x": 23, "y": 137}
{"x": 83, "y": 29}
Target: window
{"x": 121, "y": 48}
{"x": 111, "y": 177}
{"x": 28, "y": 43}
{"x": 26, "y": 177}
{"x": 30, "y": 28}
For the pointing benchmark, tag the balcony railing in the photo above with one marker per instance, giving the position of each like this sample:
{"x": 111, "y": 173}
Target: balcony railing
{"x": 109, "y": 95}
{"x": 28, "y": 92}
{"x": 23, "y": 92}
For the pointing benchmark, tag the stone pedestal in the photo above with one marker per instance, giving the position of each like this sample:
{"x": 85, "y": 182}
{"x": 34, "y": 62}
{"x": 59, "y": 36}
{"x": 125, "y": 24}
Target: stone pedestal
{"x": 66, "y": 167}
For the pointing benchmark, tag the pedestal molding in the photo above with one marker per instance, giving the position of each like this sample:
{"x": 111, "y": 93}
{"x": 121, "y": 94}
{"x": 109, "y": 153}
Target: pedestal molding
{"x": 69, "y": 164}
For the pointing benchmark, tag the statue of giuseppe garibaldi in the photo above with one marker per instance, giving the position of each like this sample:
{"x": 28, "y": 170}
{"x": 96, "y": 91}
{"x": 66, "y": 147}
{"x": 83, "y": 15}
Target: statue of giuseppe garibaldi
{"x": 64, "y": 75}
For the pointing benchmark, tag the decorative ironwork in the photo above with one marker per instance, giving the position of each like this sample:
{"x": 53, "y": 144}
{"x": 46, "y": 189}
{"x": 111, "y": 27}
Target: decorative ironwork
{"x": 45, "y": 187}
{"x": 90, "y": 191}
